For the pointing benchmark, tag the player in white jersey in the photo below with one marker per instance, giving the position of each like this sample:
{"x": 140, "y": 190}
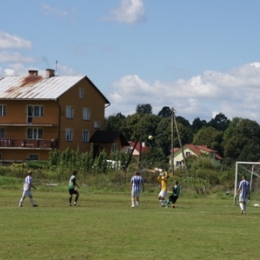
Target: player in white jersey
{"x": 244, "y": 193}
{"x": 27, "y": 190}
{"x": 136, "y": 184}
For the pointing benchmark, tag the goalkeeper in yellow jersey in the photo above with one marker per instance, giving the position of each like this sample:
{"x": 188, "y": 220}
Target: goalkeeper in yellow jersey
{"x": 163, "y": 179}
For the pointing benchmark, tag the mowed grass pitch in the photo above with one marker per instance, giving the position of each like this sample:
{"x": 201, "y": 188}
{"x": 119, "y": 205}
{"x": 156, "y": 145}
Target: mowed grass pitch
{"x": 105, "y": 227}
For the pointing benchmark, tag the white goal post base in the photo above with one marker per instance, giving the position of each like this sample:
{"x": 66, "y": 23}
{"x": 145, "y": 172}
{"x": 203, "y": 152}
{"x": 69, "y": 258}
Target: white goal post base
{"x": 251, "y": 172}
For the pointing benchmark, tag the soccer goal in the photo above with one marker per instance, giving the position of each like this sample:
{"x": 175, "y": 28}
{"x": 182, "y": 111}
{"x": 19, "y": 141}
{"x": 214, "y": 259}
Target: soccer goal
{"x": 251, "y": 170}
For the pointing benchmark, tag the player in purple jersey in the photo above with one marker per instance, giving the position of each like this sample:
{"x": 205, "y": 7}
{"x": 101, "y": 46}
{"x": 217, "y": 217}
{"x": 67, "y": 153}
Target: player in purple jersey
{"x": 136, "y": 183}
{"x": 244, "y": 193}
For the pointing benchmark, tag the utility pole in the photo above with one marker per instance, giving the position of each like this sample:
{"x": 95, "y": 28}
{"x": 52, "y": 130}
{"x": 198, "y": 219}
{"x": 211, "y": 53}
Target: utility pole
{"x": 172, "y": 145}
{"x": 178, "y": 134}
{"x": 130, "y": 156}
{"x": 140, "y": 152}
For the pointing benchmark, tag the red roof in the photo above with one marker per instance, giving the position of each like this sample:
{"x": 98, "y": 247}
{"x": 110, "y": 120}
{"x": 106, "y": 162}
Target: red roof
{"x": 218, "y": 157}
{"x": 139, "y": 146}
{"x": 175, "y": 149}
{"x": 198, "y": 148}
{"x": 205, "y": 148}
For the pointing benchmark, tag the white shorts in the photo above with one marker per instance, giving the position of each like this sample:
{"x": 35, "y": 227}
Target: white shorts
{"x": 242, "y": 199}
{"x": 27, "y": 193}
{"x": 135, "y": 193}
{"x": 163, "y": 193}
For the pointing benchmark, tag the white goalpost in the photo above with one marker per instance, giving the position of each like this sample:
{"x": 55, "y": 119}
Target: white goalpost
{"x": 251, "y": 171}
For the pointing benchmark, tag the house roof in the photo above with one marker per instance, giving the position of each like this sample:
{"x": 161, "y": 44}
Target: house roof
{"x": 175, "y": 149}
{"x": 218, "y": 157}
{"x": 197, "y": 149}
{"x": 108, "y": 137}
{"x": 138, "y": 146}
{"x": 194, "y": 148}
{"x": 205, "y": 148}
{"x": 34, "y": 87}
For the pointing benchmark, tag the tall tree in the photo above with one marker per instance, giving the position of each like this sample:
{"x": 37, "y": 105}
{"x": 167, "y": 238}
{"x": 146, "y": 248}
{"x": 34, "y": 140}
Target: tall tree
{"x": 165, "y": 112}
{"x": 220, "y": 122}
{"x": 185, "y": 134}
{"x": 197, "y": 124}
{"x": 250, "y": 153}
{"x": 183, "y": 121}
{"x": 144, "y": 109}
{"x": 164, "y": 133}
{"x": 231, "y": 128}
{"x": 147, "y": 125}
{"x": 129, "y": 127}
{"x": 163, "y": 136}
{"x": 211, "y": 137}
{"x": 241, "y": 132}
{"x": 114, "y": 122}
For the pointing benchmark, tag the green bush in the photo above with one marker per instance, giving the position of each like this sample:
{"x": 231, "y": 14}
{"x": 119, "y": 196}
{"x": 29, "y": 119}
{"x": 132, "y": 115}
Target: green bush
{"x": 35, "y": 164}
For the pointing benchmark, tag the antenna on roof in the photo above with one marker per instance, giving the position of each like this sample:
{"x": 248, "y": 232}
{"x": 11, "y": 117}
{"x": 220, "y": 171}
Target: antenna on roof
{"x": 56, "y": 66}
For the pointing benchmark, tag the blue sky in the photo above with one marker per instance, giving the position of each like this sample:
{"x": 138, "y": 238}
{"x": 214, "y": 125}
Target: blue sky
{"x": 201, "y": 57}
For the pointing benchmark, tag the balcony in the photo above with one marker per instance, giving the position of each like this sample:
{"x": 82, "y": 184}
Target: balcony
{"x": 28, "y": 144}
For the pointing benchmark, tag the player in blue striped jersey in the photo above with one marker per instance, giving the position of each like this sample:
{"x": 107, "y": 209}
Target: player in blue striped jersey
{"x": 244, "y": 193}
{"x": 137, "y": 184}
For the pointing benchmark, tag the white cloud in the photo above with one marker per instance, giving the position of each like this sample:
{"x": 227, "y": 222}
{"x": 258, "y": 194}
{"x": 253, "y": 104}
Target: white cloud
{"x": 14, "y": 57}
{"x": 234, "y": 93}
{"x": 9, "y": 72}
{"x": 13, "y": 41}
{"x": 17, "y": 69}
{"x": 65, "y": 70}
{"x": 47, "y": 10}
{"x": 129, "y": 11}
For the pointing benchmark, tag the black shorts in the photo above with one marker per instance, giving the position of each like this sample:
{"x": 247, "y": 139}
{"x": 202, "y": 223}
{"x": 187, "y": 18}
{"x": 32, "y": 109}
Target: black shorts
{"x": 72, "y": 191}
{"x": 173, "y": 198}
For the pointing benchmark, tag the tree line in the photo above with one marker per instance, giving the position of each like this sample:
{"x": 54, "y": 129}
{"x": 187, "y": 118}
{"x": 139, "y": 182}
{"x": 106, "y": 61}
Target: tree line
{"x": 235, "y": 139}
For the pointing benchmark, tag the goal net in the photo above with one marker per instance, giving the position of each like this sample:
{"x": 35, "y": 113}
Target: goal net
{"x": 252, "y": 171}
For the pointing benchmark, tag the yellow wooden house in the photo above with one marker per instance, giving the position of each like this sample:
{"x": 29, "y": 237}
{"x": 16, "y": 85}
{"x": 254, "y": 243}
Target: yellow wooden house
{"x": 41, "y": 113}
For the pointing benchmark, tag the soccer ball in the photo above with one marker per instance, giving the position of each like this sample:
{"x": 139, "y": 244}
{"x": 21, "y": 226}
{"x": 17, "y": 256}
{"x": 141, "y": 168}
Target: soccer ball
{"x": 150, "y": 137}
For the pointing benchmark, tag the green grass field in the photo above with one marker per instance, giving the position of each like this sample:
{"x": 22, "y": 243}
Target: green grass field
{"x": 105, "y": 227}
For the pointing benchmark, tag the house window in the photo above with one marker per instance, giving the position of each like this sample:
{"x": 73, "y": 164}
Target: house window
{"x": 69, "y": 112}
{"x": 34, "y": 133}
{"x": 34, "y": 111}
{"x": 2, "y": 132}
{"x": 33, "y": 157}
{"x": 86, "y": 113}
{"x": 114, "y": 148}
{"x": 97, "y": 124}
{"x": 69, "y": 134}
{"x": 187, "y": 154}
{"x": 85, "y": 136}
{"x": 81, "y": 92}
{"x": 178, "y": 163}
{"x": 2, "y": 110}
{"x": 0, "y": 156}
